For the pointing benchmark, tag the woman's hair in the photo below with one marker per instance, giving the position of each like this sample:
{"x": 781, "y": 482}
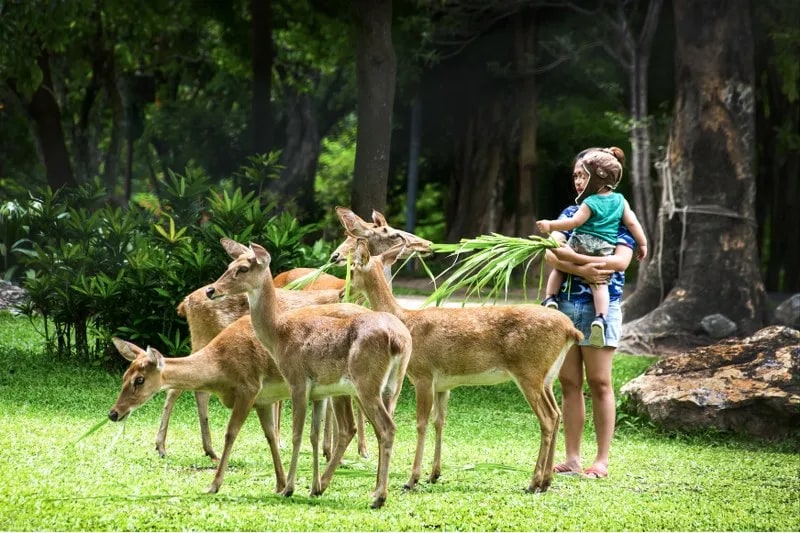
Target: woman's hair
{"x": 604, "y": 166}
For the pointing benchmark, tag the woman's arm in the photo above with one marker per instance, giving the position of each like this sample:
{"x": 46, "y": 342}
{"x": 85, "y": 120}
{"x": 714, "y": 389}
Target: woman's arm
{"x": 592, "y": 269}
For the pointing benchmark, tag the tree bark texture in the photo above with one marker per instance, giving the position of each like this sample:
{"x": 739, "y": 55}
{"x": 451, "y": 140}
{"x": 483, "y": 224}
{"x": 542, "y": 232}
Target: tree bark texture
{"x": 300, "y": 154}
{"x": 376, "y": 70}
{"x": 262, "y": 49}
{"x": 46, "y": 115}
{"x": 710, "y": 178}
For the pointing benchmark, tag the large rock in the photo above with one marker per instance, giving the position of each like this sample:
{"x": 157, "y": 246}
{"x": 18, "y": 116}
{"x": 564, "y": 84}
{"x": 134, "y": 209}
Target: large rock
{"x": 749, "y": 386}
{"x": 11, "y": 295}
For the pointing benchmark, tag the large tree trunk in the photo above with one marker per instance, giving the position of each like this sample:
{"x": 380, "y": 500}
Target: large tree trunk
{"x": 301, "y": 153}
{"x": 46, "y": 115}
{"x": 481, "y": 159}
{"x": 262, "y": 55}
{"x": 523, "y": 221}
{"x": 376, "y": 70}
{"x": 710, "y": 174}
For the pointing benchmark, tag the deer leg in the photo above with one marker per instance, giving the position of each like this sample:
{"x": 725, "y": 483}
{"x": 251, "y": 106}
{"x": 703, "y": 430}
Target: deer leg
{"x": 241, "y": 408}
{"x": 346, "y": 429}
{"x": 317, "y": 413}
{"x": 327, "y": 435}
{"x": 424, "y": 396}
{"x": 266, "y": 415}
{"x": 543, "y": 403}
{"x": 276, "y": 416}
{"x": 161, "y": 436}
{"x": 202, "y": 399}
{"x": 385, "y": 428}
{"x": 299, "y": 407}
{"x": 439, "y": 418}
{"x": 362, "y": 438}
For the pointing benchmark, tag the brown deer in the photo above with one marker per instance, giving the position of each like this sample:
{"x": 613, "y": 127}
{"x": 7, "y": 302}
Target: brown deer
{"x": 206, "y": 320}
{"x": 234, "y": 366}
{"x": 453, "y": 347}
{"x": 320, "y": 356}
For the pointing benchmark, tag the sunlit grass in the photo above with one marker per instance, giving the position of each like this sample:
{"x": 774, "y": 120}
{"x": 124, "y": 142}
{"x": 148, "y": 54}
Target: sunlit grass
{"x": 112, "y": 479}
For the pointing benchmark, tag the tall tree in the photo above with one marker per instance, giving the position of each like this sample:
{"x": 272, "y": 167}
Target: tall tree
{"x": 262, "y": 57}
{"x": 705, "y": 254}
{"x": 376, "y": 71}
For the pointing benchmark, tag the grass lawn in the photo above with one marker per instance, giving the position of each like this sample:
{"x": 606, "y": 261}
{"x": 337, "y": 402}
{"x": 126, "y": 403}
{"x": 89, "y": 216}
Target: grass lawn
{"x": 114, "y": 480}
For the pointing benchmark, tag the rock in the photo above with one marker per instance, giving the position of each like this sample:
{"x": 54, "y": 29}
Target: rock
{"x": 749, "y": 386}
{"x": 718, "y": 326}
{"x": 788, "y": 312}
{"x": 11, "y": 295}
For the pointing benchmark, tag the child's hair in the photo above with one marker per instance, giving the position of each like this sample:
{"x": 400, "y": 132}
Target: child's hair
{"x": 604, "y": 166}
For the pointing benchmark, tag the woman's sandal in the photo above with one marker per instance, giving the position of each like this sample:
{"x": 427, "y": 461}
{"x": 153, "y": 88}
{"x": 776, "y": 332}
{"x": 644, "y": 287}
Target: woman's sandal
{"x": 563, "y": 469}
{"x": 595, "y": 472}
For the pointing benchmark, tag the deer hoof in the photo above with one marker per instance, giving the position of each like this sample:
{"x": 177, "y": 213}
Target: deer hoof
{"x": 287, "y": 492}
{"x": 378, "y": 502}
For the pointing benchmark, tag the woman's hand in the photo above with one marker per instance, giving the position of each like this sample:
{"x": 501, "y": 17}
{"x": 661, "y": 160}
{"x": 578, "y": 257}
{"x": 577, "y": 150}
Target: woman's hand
{"x": 594, "y": 273}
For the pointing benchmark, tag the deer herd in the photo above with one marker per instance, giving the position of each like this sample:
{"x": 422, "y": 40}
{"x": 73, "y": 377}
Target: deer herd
{"x": 255, "y": 344}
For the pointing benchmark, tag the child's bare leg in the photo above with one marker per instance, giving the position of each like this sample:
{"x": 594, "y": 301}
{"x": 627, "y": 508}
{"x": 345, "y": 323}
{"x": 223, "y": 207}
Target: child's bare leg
{"x": 597, "y": 336}
{"x": 600, "y": 296}
{"x": 553, "y": 286}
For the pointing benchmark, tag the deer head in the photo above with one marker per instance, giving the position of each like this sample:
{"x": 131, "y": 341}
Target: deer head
{"x": 379, "y": 235}
{"x": 141, "y": 381}
{"x": 244, "y": 273}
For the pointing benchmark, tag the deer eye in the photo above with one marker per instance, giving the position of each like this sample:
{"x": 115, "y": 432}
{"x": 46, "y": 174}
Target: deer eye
{"x": 243, "y": 269}
{"x": 139, "y": 380}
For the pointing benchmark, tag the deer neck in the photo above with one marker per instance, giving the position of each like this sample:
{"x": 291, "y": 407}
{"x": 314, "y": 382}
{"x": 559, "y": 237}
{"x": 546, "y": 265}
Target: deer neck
{"x": 380, "y": 294}
{"x": 264, "y": 309}
{"x": 189, "y": 373}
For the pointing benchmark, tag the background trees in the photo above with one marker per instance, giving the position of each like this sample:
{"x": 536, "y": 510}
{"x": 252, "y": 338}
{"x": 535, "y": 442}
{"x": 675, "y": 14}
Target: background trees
{"x": 309, "y": 104}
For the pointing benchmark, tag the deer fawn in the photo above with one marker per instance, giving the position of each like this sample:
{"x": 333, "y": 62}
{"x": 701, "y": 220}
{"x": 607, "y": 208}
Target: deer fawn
{"x": 206, "y": 320}
{"x": 453, "y": 347}
{"x": 319, "y": 356}
{"x": 236, "y": 367}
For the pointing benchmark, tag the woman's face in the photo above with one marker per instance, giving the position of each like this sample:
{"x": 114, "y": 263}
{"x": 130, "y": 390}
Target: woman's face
{"x": 579, "y": 177}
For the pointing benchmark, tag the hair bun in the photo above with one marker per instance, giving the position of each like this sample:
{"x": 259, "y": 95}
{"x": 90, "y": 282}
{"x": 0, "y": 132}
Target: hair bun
{"x": 618, "y": 153}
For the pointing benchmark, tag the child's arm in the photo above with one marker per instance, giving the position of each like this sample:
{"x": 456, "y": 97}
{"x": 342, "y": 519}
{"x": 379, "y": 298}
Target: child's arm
{"x": 632, "y": 223}
{"x": 565, "y": 224}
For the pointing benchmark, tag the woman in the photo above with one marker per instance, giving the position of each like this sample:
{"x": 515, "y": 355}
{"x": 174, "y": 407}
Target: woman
{"x": 586, "y": 361}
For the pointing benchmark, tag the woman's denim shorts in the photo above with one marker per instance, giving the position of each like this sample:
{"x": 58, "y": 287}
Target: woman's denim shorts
{"x": 582, "y": 314}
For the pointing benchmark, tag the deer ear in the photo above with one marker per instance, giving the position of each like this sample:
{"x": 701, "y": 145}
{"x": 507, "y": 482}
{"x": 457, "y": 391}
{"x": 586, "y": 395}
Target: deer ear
{"x": 361, "y": 253}
{"x": 378, "y": 219}
{"x": 353, "y": 224}
{"x": 233, "y": 248}
{"x": 261, "y": 253}
{"x": 155, "y": 357}
{"x": 126, "y": 349}
{"x": 389, "y": 257}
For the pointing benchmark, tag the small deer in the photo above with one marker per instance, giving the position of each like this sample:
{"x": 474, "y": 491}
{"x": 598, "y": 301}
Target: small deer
{"x": 453, "y": 347}
{"x": 319, "y": 356}
{"x": 206, "y": 320}
{"x": 234, "y": 366}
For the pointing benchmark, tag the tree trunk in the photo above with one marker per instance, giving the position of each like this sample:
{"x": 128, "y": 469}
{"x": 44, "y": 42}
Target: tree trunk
{"x": 524, "y": 222}
{"x": 46, "y": 115}
{"x": 262, "y": 50}
{"x": 414, "y": 143}
{"x": 710, "y": 173}
{"x": 376, "y": 69}
{"x": 301, "y": 153}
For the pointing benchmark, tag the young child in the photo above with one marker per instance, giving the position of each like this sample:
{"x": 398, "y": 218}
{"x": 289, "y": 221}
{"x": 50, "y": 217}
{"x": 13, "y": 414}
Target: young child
{"x": 597, "y": 173}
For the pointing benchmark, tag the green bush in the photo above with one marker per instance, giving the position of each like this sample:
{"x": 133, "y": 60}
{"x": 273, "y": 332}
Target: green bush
{"x": 93, "y": 270}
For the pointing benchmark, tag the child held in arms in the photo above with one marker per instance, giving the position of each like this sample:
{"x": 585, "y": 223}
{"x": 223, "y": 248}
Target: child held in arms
{"x": 595, "y": 225}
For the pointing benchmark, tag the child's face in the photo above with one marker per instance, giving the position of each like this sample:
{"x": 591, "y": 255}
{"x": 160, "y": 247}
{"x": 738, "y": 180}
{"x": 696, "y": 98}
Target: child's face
{"x": 580, "y": 178}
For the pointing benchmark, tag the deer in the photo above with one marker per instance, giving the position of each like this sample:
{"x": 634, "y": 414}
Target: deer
{"x": 454, "y": 347}
{"x": 319, "y": 356}
{"x": 207, "y": 319}
{"x": 236, "y": 367}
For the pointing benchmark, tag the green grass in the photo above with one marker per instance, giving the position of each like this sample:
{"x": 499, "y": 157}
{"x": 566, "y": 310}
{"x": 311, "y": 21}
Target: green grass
{"x": 113, "y": 480}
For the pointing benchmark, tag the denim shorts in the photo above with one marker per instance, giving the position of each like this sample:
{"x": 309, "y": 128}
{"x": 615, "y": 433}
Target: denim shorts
{"x": 582, "y": 314}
